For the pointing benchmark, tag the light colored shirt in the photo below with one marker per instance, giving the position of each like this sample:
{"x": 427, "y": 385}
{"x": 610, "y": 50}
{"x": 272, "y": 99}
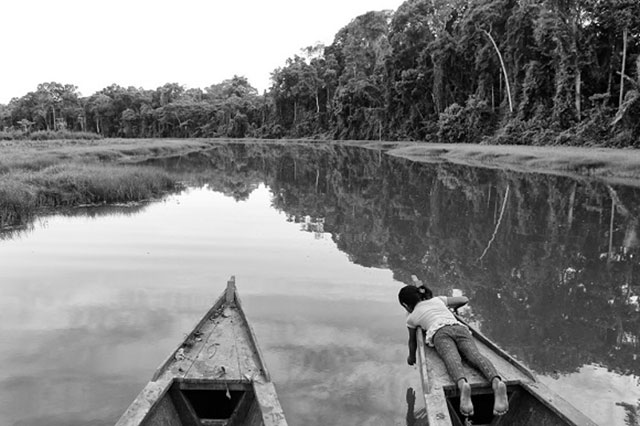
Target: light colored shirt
{"x": 431, "y": 315}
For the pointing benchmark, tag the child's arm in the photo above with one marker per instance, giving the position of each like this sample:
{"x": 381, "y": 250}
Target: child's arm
{"x": 413, "y": 346}
{"x": 457, "y": 302}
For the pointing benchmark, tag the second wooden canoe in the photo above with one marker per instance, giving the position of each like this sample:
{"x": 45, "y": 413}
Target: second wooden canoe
{"x": 531, "y": 403}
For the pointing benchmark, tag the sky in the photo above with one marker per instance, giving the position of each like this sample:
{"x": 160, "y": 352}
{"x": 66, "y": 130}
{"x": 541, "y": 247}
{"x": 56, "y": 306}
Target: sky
{"x": 146, "y": 44}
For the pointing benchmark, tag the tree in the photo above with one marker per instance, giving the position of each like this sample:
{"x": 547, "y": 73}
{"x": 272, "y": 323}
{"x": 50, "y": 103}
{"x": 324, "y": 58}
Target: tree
{"x": 100, "y": 107}
{"x": 5, "y": 116}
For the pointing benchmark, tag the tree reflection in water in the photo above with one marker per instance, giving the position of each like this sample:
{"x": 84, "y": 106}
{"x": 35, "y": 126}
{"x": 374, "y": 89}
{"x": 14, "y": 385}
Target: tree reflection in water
{"x": 632, "y": 417}
{"x": 557, "y": 287}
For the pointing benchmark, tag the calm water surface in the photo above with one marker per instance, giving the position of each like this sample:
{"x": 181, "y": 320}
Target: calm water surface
{"x": 320, "y": 240}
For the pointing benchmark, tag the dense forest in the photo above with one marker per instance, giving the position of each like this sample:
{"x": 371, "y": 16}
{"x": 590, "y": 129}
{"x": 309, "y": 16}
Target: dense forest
{"x": 494, "y": 71}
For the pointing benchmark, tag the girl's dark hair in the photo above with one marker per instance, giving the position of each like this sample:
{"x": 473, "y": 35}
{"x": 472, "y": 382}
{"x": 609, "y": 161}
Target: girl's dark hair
{"x": 411, "y": 296}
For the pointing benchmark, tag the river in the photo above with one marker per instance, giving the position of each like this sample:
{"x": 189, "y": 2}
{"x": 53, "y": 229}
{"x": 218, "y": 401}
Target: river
{"x": 320, "y": 239}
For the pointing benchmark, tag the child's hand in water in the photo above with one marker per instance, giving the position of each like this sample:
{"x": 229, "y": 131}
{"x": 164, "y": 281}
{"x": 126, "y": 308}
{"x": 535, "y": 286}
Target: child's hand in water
{"x": 411, "y": 359}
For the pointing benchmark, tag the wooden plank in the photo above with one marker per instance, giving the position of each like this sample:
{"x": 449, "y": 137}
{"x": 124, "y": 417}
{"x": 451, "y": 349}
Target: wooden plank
{"x": 254, "y": 341}
{"x": 423, "y": 366}
{"x": 558, "y": 405}
{"x": 164, "y": 414}
{"x": 272, "y": 413}
{"x": 144, "y": 403}
{"x": 250, "y": 363}
{"x": 230, "y": 293}
{"x": 208, "y": 384}
{"x": 216, "y": 356}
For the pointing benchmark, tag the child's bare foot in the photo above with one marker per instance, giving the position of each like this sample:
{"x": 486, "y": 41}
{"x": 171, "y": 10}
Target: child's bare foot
{"x": 466, "y": 406}
{"x": 500, "y": 399}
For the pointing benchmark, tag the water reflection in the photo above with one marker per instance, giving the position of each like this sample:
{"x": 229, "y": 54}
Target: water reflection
{"x": 415, "y": 417}
{"x": 549, "y": 262}
{"x": 90, "y": 211}
{"x": 90, "y": 308}
{"x": 549, "y": 266}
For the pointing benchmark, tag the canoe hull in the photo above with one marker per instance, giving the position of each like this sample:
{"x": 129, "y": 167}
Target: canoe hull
{"x": 216, "y": 377}
{"x": 530, "y": 402}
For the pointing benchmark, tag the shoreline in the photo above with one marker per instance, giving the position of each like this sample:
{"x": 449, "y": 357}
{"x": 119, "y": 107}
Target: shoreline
{"x": 40, "y": 175}
{"x": 608, "y": 165}
{"x": 612, "y": 165}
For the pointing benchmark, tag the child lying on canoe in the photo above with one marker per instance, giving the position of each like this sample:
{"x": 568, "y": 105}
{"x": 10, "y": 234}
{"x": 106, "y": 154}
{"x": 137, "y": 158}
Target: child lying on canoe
{"x": 450, "y": 339}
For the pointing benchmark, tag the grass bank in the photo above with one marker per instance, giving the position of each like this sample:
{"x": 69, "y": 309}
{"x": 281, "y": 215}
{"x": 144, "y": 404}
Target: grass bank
{"x": 24, "y": 192}
{"x": 613, "y": 166}
{"x": 40, "y": 175}
{"x": 37, "y": 175}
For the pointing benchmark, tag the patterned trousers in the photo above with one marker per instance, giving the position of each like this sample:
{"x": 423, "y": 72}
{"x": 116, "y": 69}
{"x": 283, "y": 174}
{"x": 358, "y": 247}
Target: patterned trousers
{"x": 451, "y": 341}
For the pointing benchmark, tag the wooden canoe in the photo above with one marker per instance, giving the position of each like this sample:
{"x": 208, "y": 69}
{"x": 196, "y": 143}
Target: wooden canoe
{"x": 530, "y": 402}
{"x": 216, "y": 377}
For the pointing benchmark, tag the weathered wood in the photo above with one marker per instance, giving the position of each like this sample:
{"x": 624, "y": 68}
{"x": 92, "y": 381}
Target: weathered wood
{"x": 164, "y": 413}
{"x": 145, "y": 402}
{"x": 171, "y": 358}
{"x": 272, "y": 413}
{"x": 252, "y": 336}
{"x": 558, "y": 405}
{"x": 231, "y": 290}
{"x": 221, "y": 354}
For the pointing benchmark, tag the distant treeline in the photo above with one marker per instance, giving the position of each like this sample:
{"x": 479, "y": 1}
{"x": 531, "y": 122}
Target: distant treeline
{"x": 500, "y": 71}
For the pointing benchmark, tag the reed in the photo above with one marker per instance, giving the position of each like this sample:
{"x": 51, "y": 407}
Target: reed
{"x": 46, "y": 173}
{"x": 42, "y": 135}
{"x": 24, "y": 192}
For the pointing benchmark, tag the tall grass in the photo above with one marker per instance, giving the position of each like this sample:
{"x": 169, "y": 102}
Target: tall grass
{"x": 41, "y": 135}
{"x": 41, "y": 174}
{"x": 17, "y": 202}
{"x": 23, "y": 192}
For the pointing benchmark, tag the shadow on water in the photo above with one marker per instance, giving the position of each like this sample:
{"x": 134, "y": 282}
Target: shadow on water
{"x": 549, "y": 262}
{"x": 414, "y": 418}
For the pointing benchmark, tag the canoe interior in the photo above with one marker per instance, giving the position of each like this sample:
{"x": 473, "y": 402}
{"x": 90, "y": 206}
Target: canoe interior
{"x": 206, "y": 404}
{"x": 525, "y": 409}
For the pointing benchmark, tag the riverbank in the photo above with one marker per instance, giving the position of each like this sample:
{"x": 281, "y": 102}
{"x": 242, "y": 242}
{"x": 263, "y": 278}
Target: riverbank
{"x": 39, "y": 175}
{"x": 612, "y": 166}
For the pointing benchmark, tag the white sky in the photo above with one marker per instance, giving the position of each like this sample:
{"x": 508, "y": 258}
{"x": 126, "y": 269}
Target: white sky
{"x": 144, "y": 43}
